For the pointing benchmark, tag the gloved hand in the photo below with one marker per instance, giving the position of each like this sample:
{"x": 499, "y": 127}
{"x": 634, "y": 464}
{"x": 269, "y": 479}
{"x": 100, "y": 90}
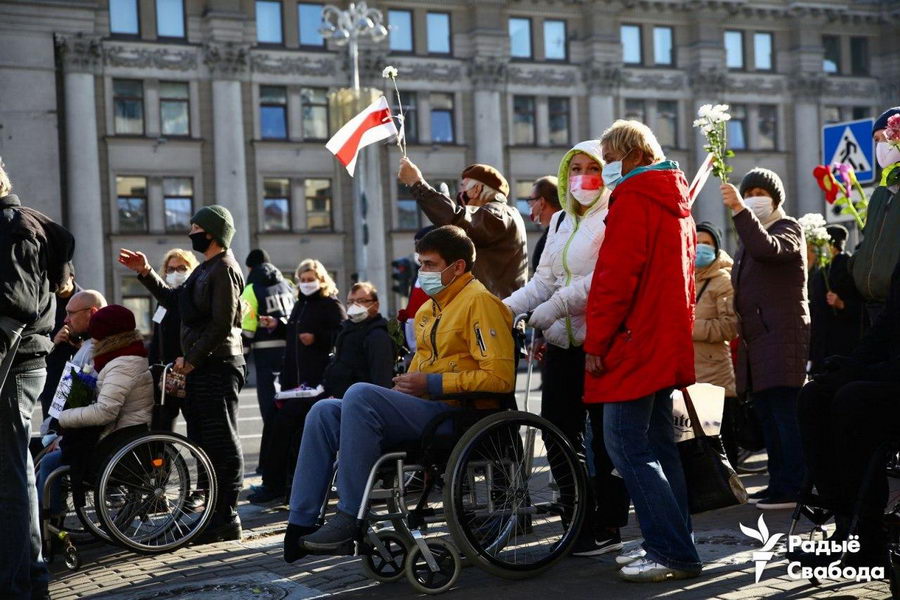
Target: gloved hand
{"x": 838, "y": 371}
{"x": 544, "y": 315}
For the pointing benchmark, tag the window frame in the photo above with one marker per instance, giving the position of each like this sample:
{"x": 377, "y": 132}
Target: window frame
{"x": 185, "y": 101}
{"x": 452, "y": 113}
{"x": 867, "y": 67}
{"x": 280, "y": 21}
{"x": 771, "y": 36}
{"x": 551, "y": 113}
{"x": 565, "y": 25}
{"x": 284, "y": 107}
{"x": 643, "y": 103}
{"x": 840, "y": 54}
{"x": 775, "y": 132}
{"x": 530, "y": 22}
{"x": 411, "y": 114}
{"x": 306, "y": 204}
{"x": 449, "y": 16}
{"x": 412, "y": 31}
{"x": 184, "y": 26}
{"x": 408, "y": 197}
{"x": 677, "y": 113}
{"x": 672, "y": 63}
{"x": 744, "y": 129}
{"x": 516, "y": 113}
{"x": 301, "y": 45}
{"x": 290, "y": 205}
{"x": 120, "y": 35}
{"x": 640, "y": 30}
{"x": 165, "y": 198}
{"x": 140, "y": 100}
{"x": 304, "y": 104}
{"x": 145, "y": 198}
{"x": 740, "y": 32}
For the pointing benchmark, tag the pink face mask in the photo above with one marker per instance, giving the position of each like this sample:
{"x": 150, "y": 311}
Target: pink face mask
{"x": 586, "y": 188}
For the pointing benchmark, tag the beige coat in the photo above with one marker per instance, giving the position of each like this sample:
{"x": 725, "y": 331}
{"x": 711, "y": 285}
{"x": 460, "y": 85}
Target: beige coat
{"x": 715, "y": 325}
{"x": 124, "y": 397}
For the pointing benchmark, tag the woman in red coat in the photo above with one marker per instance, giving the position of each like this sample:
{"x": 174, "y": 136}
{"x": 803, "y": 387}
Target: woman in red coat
{"x": 640, "y": 316}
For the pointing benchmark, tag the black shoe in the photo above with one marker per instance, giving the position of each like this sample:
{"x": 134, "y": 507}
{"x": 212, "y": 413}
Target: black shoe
{"x": 195, "y": 502}
{"x": 293, "y": 549}
{"x": 757, "y": 496}
{"x": 221, "y": 531}
{"x": 588, "y": 545}
{"x": 262, "y": 495}
{"x": 335, "y": 537}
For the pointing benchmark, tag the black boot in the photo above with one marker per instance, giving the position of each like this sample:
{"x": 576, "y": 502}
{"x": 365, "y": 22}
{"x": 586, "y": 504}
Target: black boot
{"x": 335, "y": 538}
{"x": 293, "y": 549}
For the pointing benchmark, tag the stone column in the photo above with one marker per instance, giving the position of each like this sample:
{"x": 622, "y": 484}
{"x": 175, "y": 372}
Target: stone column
{"x": 81, "y": 58}
{"x": 708, "y": 86}
{"x": 602, "y": 79}
{"x": 806, "y": 197}
{"x": 488, "y": 76}
{"x": 228, "y": 65}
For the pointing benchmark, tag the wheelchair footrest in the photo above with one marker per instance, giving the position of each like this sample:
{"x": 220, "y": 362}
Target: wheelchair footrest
{"x": 348, "y": 549}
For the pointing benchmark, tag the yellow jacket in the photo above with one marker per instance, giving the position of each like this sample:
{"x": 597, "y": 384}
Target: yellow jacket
{"x": 464, "y": 339}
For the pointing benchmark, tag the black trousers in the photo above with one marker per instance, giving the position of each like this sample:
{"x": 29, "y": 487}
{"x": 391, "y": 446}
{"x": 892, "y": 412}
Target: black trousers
{"x": 843, "y": 426}
{"x": 268, "y": 363}
{"x": 210, "y": 410}
{"x": 562, "y": 404}
{"x": 285, "y": 431}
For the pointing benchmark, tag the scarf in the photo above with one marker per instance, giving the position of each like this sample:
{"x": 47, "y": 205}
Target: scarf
{"x": 129, "y": 343}
{"x": 777, "y": 215}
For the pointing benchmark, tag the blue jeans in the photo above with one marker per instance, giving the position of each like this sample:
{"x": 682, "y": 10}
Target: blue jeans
{"x": 368, "y": 420}
{"x": 777, "y": 411}
{"x": 23, "y": 572}
{"x": 51, "y": 462}
{"x": 640, "y": 440}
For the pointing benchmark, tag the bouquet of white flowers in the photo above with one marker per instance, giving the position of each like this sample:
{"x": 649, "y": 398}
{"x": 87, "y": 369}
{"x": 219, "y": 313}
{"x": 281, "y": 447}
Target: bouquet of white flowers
{"x": 713, "y": 124}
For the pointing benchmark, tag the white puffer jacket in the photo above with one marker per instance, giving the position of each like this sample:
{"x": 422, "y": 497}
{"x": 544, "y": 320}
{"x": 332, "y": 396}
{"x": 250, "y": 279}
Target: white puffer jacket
{"x": 124, "y": 397}
{"x": 559, "y": 289}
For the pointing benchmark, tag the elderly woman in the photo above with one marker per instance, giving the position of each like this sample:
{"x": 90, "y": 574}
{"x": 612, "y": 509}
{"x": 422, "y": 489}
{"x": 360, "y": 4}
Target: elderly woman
{"x": 770, "y": 297}
{"x": 557, "y": 295}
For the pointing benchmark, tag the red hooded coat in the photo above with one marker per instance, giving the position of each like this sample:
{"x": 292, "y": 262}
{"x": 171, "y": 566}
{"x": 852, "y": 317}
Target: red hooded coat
{"x": 640, "y": 310}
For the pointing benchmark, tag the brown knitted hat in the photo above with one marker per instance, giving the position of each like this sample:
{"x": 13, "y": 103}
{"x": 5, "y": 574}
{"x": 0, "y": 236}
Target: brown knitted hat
{"x": 487, "y": 175}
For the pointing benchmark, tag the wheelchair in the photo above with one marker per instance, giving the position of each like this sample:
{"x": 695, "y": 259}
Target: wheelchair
{"x": 502, "y": 487}
{"x": 147, "y": 491}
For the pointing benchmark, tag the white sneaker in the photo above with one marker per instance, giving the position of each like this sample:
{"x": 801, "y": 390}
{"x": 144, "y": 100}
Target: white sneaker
{"x": 648, "y": 571}
{"x": 626, "y": 558}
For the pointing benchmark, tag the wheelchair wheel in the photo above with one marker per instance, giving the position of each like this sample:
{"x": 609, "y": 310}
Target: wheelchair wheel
{"x": 377, "y": 568}
{"x": 515, "y": 495}
{"x": 143, "y": 493}
{"x": 427, "y": 580}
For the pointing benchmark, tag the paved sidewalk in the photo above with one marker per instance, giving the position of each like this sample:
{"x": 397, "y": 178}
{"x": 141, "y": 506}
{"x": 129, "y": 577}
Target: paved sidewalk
{"x": 254, "y": 569}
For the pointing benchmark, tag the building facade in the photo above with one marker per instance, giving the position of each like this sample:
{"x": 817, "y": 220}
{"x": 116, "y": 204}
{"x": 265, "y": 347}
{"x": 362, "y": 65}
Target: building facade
{"x": 121, "y": 117}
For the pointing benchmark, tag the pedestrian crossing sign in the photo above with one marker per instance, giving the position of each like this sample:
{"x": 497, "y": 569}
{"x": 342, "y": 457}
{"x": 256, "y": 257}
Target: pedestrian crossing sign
{"x": 850, "y": 143}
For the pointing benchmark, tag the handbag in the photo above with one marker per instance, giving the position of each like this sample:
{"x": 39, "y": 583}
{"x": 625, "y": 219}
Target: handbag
{"x": 711, "y": 481}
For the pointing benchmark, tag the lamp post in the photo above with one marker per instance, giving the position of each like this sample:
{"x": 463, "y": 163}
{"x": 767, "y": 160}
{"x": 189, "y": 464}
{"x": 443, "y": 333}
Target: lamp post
{"x": 346, "y": 28}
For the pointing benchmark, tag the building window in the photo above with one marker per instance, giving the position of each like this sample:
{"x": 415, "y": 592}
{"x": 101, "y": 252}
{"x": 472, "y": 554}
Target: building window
{"x": 762, "y": 52}
{"x": 831, "y": 114}
{"x": 128, "y": 103}
{"x": 767, "y": 127}
{"x": 135, "y": 299}
{"x": 520, "y": 37}
{"x": 410, "y": 114}
{"x": 524, "y": 120}
{"x": 559, "y": 121}
{"x": 309, "y": 16}
{"x": 131, "y": 201}
{"x": 318, "y": 204}
{"x": 442, "y": 118}
{"x": 408, "y": 215}
{"x": 170, "y": 18}
{"x": 737, "y": 127}
{"x": 862, "y": 112}
{"x": 859, "y": 56}
{"x": 315, "y": 113}
{"x": 667, "y": 123}
{"x": 178, "y": 198}
{"x": 438, "y": 33}
{"x": 663, "y": 46}
{"x": 631, "y": 44}
{"x": 401, "y": 26}
{"x": 123, "y": 17}
{"x": 832, "y": 61}
{"x": 555, "y": 40}
{"x": 273, "y": 112}
{"x": 174, "y": 108}
{"x": 523, "y": 195}
{"x": 268, "y": 22}
{"x": 635, "y": 110}
{"x": 276, "y": 204}
{"x": 734, "y": 49}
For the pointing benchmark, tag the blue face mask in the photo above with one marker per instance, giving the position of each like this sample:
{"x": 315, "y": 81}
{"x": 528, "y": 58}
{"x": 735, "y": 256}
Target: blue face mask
{"x": 706, "y": 254}
{"x": 430, "y": 282}
{"x": 612, "y": 173}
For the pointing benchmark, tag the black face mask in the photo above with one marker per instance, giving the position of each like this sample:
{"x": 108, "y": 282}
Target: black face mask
{"x": 199, "y": 241}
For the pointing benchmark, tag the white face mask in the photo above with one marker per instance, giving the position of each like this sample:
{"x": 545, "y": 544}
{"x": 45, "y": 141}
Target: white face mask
{"x": 357, "y": 313}
{"x": 308, "y": 289}
{"x": 761, "y": 206}
{"x": 176, "y": 279}
{"x": 585, "y": 188}
{"x": 887, "y": 154}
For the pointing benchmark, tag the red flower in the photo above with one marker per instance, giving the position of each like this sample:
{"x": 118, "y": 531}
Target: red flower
{"x": 825, "y": 179}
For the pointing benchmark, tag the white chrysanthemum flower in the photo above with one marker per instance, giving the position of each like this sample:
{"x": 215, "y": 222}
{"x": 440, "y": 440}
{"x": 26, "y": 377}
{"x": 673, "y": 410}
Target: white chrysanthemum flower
{"x": 389, "y": 72}
{"x": 704, "y": 111}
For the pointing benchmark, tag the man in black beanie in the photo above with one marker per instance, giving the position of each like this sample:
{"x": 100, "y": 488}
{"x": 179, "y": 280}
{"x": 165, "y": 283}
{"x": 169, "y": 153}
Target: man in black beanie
{"x": 879, "y": 251}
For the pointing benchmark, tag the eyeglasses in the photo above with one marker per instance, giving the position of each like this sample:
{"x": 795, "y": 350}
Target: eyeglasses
{"x": 365, "y": 302}
{"x": 179, "y": 269}
{"x": 533, "y": 199}
{"x": 69, "y": 313}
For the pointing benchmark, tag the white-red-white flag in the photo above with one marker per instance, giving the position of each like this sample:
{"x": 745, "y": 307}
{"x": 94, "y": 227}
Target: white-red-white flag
{"x": 372, "y": 125}
{"x": 700, "y": 178}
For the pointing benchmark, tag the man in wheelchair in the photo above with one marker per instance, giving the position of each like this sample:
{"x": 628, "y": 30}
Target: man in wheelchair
{"x": 849, "y": 416}
{"x": 464, "y": 344}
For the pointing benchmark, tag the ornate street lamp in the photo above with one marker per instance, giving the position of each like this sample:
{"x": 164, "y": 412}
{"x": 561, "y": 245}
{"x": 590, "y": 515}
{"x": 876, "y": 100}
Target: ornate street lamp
{"x": 346, "y": 27}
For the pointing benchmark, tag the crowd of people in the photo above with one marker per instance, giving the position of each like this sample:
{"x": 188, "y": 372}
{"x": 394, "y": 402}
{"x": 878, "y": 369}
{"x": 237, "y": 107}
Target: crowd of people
{"x": 630, "y": 300}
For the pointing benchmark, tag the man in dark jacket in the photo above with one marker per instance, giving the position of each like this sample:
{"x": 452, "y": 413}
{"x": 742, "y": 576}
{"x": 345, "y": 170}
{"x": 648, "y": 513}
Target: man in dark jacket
{"x": 64, "y": 345}
{"x": 213, "y": 360}
{"x": 874, "y": 260}
{"x": 31, "y": 269}
{"x": 846, "y": 414}
{"x": 484, "y": 213}
{"x": 770, "y": 297}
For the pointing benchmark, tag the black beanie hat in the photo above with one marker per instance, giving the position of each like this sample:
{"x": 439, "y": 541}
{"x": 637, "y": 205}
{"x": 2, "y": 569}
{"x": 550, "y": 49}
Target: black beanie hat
{"x": 256, "y": 257}
{"x": 838, "y": 235}
{"x": 713, "y": 231}
{"x": 765, "y": 180}
{"x": 881, "y": 122}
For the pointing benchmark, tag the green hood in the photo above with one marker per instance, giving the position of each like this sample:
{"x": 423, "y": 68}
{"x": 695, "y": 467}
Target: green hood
{"x": 592, "y": 149}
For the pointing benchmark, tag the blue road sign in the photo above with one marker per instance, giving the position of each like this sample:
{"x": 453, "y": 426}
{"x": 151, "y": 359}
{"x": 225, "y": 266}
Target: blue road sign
{"x": 850, "y": 143}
